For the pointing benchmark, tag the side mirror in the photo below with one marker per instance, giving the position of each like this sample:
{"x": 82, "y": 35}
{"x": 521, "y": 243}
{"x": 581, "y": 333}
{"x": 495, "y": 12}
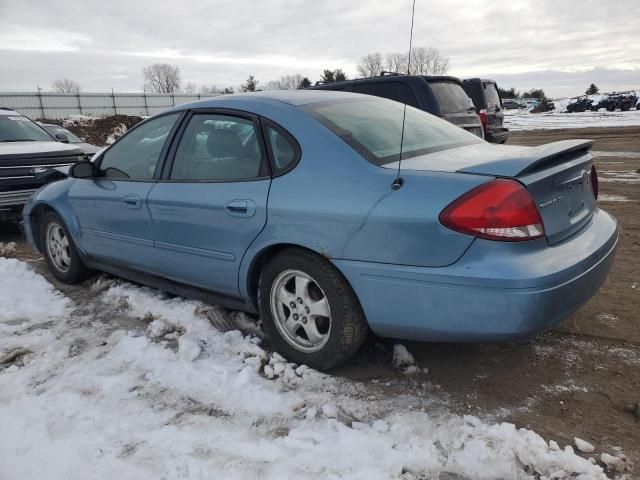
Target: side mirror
{"x": 61, "y": 137}
{"x": 83, "y": 169}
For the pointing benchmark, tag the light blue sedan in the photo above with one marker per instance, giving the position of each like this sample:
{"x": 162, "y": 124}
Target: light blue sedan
{"x": 294, "y": 205}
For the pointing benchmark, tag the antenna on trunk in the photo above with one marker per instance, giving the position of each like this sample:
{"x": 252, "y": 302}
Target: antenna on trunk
{"x": 398, "y": 182}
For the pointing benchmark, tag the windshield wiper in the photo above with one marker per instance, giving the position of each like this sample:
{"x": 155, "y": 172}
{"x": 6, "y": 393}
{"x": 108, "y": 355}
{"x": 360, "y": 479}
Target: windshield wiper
{"x": 19, "y": 140}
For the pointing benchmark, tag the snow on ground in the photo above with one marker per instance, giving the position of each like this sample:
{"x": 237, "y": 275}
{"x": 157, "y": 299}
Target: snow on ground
{"x": 524, "y": 120}
{"x": 134, "y": 385}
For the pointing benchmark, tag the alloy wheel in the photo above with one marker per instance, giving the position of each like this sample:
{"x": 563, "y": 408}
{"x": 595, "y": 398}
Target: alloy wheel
{"x": 301, "y": 311}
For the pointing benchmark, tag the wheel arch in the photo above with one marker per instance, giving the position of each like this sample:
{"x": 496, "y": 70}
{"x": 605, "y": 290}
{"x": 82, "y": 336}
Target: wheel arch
{"x": 258, "y": 262}
{"x": 38, "y": 211}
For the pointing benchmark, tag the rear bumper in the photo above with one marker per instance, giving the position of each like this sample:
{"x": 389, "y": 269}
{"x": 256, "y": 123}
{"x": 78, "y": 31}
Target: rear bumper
{"x": 500, "y": 135}
{"x": 496, "y": 292}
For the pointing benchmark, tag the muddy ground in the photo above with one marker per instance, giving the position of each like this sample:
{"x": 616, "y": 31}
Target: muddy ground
{"x": 581, "y": 379}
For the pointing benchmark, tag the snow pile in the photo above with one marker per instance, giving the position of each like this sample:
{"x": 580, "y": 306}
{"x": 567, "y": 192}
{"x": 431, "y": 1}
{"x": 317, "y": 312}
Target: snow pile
{"x": 75, "y": 120}
{"x": 26, "y": 294}
{"x": 116, "y": 133}
{"x": 106, "y": 394}
{"x": 524, "y": 120}
{"x": 7, "y": 249}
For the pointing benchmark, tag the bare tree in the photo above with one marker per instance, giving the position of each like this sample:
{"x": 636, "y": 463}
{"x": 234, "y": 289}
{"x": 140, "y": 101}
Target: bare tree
{"x": 161, "y": 78}
{"x": 286, "y": 82}
{"x": 428, "y": 61}
{"x": 209, "y": 90}
{"x": 190, "y": 87}
{"x": 370, "y": 65}
{"x": 64, "y": 85}
{"x": 395, "y": 62}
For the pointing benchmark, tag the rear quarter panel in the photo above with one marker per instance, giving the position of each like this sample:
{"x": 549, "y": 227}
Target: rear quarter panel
{"x": 339, "y": 205}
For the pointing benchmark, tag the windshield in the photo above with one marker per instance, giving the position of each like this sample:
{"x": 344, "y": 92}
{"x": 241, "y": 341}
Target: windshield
{"x": 16, "y": 128}
{"x": 54, "y": 129}
{"x": 451, "y": 97}
{"x": 373, "y": 127}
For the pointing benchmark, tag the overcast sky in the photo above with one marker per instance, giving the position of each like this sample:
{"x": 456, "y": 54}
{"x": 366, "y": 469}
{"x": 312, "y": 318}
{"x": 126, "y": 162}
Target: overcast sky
{"x": 559, "y": 45}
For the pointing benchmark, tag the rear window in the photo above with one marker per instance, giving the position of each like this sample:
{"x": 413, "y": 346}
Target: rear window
{"x": 397, "y": 91}
{"x": 491, "y": 95}
{"x": 373, "y": 127}
{"x": 451, "y": 97}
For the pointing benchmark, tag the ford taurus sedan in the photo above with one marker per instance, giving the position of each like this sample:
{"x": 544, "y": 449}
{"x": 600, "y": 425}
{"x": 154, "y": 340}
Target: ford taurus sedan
{"x": 294, "y": 205}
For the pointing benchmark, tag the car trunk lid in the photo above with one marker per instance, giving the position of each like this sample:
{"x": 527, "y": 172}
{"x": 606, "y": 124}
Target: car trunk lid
{"x": 557, "y": 175}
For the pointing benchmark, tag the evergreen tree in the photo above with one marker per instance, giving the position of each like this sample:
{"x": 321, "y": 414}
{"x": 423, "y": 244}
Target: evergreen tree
{"x": 592, "y": 90}
{"x": 327, "y": 76}
{"x": 250, "y": 84}
{"x": 304, "y": 83}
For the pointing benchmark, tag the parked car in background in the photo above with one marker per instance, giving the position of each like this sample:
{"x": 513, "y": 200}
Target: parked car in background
{"x": 65, "y": 136}
{"x": 579, "y": 105}
{"x": 27, "y": 151}
{"x": 510, "y": 104}
{"x": 486, "y": 99}
{"x": 247, "y": 201}
{"x": 439, "y": 95}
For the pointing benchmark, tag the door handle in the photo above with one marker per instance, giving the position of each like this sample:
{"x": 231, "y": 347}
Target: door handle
{"x": 241, "y": 208}
{"x": 132, "y": 201}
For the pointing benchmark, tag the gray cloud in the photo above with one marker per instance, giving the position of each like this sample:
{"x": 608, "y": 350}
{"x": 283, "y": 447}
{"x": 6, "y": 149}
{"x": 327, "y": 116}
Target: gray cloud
{"x": 557, "y": 45}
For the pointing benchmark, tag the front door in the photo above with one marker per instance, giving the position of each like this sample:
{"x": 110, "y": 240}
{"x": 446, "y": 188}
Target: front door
{"x": 115, "y": 223}
{"x": 213, "y": 202}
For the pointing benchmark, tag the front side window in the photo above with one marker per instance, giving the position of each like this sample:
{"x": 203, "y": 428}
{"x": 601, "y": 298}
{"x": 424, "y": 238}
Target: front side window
{"x": 373, "y": 127}
{"x": 136, "y": 155}
{"x": 17, "y": 128}
{"x": 218, "y": 147}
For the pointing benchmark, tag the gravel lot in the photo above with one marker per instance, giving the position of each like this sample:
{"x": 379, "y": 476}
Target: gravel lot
{"x": 580, "y": 380}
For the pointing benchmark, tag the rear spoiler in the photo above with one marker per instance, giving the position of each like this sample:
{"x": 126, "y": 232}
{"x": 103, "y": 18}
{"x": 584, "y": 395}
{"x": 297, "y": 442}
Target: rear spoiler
{"x": 534, "y": 158}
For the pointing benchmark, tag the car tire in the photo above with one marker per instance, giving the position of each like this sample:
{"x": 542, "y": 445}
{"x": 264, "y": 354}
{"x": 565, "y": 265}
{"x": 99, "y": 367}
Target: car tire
{"x": 296, "y": 283}
{"x": 59, "y": 250}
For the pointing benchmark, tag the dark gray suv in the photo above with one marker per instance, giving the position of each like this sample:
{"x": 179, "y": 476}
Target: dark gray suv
{"x": 485, "y": 97}
{"x": 439, "y": 95}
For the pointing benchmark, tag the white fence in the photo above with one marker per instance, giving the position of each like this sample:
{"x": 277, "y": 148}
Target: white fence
{"x": 62, "y": 105}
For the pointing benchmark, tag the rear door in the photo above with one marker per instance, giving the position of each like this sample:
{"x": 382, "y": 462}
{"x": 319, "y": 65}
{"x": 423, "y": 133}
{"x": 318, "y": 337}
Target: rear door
{"x": 495, "y": 115}
{"x": 456, "y": 106}
{"x": 212, "y": 201}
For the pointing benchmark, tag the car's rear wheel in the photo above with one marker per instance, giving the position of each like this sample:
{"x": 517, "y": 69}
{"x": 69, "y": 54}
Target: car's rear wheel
{"x": 60, "y": 251}
{"x": 309, "y": 310}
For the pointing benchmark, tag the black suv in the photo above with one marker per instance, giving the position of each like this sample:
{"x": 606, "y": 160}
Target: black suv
{"x": 26, "y": 151}
{"x": 485, "y": 97}
{"x": 438, "y": 95}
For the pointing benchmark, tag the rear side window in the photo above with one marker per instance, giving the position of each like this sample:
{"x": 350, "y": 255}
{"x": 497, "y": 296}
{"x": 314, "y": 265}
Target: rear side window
{"x": 451, "y": 97}
{"x": 283, "y": 149}
{"x": 491, "y": 94}
{"x": 397, "y": 91}
{"x": 217, "y": 147}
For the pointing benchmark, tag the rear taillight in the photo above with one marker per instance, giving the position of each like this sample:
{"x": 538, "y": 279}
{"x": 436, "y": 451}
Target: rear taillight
{"x": 594, "y": 181}
{"x": 498, "y": 210}
{"x": 483, "y": 119}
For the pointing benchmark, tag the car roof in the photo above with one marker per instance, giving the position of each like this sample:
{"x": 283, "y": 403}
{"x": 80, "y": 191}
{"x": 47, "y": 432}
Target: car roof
{"x": 291, "y": 97}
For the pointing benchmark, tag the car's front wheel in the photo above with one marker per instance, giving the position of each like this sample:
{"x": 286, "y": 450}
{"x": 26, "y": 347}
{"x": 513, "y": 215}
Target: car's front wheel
{"x": 60, "y": 251}
{"x": 309, "y": 310}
